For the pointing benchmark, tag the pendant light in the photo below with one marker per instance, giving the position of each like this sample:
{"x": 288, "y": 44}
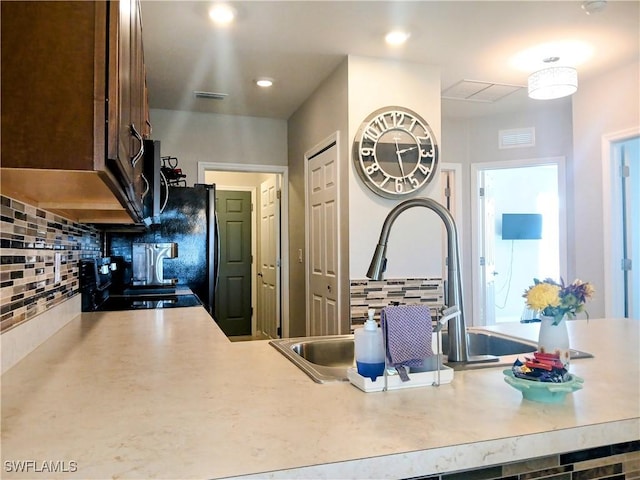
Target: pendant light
{"x": 552, "y": 82}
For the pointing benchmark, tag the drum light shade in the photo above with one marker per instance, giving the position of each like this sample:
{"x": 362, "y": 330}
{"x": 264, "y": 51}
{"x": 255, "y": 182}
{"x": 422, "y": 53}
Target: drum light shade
{"x": 553, "y": 82}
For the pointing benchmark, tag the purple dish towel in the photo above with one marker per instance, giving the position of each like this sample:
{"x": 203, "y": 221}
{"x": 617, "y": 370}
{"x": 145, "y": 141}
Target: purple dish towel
{"x": 407, "y": 332}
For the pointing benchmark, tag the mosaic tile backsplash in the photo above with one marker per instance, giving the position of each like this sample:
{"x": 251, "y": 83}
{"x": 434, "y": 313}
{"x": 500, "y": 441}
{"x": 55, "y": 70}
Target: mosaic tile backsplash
{"x": 30, "y": 239}
{"x": 367, "y": 294}
{"x": 611, "y": 462}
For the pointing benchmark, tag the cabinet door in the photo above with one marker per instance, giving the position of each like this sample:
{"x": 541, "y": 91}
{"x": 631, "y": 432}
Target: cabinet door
{"x": 63, "y": 69}
{"x": 125, "y": 138}
{"x": 138, "y": 96}
{"x": 126, "y": 119}
{"x": 51, "y": 69}
{"x": 138, "y": 116}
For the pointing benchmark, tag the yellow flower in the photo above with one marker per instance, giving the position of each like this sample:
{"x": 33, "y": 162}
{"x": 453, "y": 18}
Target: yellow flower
{"x": 589, "y": 291}
{"x": 543, "y": 295}
{"x": 553, "y": 299}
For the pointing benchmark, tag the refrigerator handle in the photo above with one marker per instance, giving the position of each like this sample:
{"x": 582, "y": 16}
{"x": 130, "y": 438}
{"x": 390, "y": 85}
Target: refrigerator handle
{"x": 217, "y": 273}
{"x": 214, "y": 249}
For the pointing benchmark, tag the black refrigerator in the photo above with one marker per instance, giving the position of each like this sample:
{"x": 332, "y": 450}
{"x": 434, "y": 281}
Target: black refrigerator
{"x": 187, "y": 217}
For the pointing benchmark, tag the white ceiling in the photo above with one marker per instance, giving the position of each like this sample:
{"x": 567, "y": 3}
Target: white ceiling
{"x": 299, "y": 43}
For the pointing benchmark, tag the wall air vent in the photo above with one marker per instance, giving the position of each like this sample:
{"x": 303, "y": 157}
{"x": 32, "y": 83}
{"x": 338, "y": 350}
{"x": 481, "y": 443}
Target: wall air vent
{"x": 210, "y": 95}
{"x": 517, "y": 138}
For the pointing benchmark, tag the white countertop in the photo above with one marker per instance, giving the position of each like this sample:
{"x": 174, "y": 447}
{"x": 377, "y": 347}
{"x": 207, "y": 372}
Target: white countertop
{"x": 164, "y": 394}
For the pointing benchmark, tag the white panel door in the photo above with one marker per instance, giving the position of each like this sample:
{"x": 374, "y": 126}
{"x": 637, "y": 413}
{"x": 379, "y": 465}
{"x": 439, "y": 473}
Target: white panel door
{"x": 269, "y": 259}
{"x": 627, "y": 156}
{"x": 322, "y": 259}
{"x": 487, "y": 260}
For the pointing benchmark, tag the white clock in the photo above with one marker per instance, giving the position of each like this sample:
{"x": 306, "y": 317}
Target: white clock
{"x": 395, "y": 152}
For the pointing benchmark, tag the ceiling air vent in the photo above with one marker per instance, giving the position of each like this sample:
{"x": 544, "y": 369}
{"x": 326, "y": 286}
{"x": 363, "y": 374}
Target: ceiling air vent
{"x": 210, "y": 95}
{"x": 517, "y": 138}
{"x": 479, "y": 91}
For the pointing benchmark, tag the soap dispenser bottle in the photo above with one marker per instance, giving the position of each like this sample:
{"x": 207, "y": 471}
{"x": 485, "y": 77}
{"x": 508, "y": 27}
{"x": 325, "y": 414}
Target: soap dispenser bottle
{"x": 369, "y": 349}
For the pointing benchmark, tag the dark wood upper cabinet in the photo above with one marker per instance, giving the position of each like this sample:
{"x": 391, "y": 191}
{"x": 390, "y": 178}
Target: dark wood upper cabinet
{"x": 74, "y": 108}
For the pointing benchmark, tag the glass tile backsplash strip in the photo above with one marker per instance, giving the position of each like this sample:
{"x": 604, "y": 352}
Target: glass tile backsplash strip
{"x": 612, "y": 462}
{"x": 365, "y": 294}
{"x": 30, "y": 239}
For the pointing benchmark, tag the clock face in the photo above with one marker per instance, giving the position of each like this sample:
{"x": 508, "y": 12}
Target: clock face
{"x": 395, "y": 152}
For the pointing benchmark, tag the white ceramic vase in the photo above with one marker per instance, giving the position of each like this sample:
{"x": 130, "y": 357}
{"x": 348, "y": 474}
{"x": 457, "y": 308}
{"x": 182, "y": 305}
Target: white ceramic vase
{"x": 554, "y": 338}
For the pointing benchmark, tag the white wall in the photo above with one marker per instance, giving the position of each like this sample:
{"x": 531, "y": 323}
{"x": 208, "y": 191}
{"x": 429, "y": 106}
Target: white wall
{"x": 195, "y": 137}
{"x": 321, "y": 115}
{"x": 415, "y": 242}
{"x": 603, "y": 105}
{"x": 236, "y": 179}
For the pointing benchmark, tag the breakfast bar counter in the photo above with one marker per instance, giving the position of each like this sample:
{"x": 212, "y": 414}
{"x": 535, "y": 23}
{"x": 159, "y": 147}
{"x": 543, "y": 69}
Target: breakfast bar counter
{"x": 164, "y": 394}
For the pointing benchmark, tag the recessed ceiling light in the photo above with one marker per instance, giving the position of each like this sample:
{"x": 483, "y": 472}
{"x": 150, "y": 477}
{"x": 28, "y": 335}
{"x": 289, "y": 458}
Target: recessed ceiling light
{"x": 593, "y": 6}
{"x": 264, "y": 82}
{"x": 397, "y": 37}
{"x": 222, "y": 14}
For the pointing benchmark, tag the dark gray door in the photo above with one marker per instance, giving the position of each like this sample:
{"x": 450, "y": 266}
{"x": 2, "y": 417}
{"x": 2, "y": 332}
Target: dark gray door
{"x": 233, "y": 296}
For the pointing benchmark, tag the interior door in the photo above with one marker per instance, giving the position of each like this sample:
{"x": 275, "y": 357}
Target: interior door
{"x": 233, "y": 296}
{"x": 322, "y": 243}
{"x": 268, "y": 319}
{"x": 487, "y": 259}
{"x": 627, "y": 154}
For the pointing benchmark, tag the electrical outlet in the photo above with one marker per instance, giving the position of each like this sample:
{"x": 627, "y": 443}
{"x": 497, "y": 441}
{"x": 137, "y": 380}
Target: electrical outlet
{"x": 299, "y": 255}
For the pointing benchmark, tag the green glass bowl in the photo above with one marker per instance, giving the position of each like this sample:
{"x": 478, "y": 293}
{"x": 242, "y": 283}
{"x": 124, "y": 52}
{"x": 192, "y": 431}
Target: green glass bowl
{"x": 544, "y": 392}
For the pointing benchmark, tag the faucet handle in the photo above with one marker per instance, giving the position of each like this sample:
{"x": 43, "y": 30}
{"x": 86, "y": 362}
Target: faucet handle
{"x": 449, "y": 313}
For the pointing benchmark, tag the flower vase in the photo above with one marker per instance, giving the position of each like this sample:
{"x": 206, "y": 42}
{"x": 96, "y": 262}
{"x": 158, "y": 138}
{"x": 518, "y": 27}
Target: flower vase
{"x": 554, "y": 338}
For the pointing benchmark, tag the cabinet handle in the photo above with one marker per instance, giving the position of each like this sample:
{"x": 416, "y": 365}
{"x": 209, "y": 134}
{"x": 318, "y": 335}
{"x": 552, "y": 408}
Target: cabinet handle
{"x": 166, "y": 186}
{"x": 146, "y": 190}
{"x": 136, "y": 158}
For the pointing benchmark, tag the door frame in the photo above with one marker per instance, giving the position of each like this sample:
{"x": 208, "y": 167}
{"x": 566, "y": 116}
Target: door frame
{"x": 282, "y": 170}
{"x": 611, "y": 225}
{"x": 309, "y": 154}
{"x": 476, "y": 237}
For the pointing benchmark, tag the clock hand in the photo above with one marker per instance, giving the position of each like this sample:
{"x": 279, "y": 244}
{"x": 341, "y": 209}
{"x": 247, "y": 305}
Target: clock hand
{"x": 406, "y": 150}
{"x": 398, "y": 152}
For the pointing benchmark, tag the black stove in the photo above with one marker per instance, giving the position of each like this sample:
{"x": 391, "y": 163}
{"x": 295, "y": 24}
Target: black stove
{"x": 100, "y": 295}
{"x": 141, "y": 302}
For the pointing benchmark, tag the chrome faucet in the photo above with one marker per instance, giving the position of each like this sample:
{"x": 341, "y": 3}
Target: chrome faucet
{"x": 457, "y": 327}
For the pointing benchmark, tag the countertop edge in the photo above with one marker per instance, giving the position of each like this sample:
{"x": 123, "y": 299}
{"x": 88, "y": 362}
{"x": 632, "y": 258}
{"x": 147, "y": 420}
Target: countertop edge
{"x": 462, "y": 457}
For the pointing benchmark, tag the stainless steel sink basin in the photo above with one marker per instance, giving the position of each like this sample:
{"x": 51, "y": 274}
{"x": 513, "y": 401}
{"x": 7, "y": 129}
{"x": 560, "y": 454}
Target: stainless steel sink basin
{"x": 492, "y": 349}
{"x": 326, "y": 359}
{"x": 489, "y": 343}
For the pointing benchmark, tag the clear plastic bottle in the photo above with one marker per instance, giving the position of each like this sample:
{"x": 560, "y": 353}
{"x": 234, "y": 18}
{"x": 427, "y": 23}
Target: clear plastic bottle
{"x": 369, "y": 349}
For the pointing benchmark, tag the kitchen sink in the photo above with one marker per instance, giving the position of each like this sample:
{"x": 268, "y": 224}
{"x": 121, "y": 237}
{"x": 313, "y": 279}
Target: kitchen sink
{"x": 491, "y": 349}
{"x": 333, "y": 352}
{"x": 324, "y": 359}
{"x": 489, "y": 343}
{"x": 327, "y": 358}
